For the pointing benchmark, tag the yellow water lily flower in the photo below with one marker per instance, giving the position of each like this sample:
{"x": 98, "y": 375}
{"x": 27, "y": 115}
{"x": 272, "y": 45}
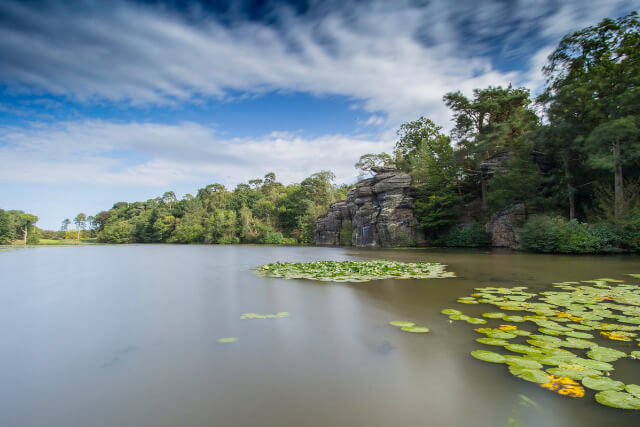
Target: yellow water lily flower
{"x": 564, "y": 386}
{"x": 507, "y": 327}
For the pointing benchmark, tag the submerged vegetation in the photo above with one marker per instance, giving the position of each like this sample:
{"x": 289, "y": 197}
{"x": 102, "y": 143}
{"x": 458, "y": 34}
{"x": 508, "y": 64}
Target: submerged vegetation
{"x": 571, "y": 349}
{"x": 354, "y": 271}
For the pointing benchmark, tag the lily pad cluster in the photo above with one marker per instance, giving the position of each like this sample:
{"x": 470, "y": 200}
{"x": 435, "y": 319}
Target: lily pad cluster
{"x": 409, "y": 327}
{"x": 354, "y": 271}
{"x": 563, "y": 338}
{"x": 278, "y": 315}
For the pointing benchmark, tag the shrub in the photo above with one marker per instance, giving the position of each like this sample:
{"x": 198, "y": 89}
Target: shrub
{"x": 539, "y": 234}
{"x": 272, "y": 238}
{"x": 228, "y": 240}
{"x": 575, "y": 238}
{"x": 471, "y": 235}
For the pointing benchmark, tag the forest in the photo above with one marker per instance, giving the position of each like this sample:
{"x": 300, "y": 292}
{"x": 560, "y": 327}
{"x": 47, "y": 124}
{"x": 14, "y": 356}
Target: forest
{"x": 570, "y": 157}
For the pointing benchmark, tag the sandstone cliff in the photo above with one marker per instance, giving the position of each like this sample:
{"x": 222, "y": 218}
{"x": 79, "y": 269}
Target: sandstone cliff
{"x": 377, "y": 212}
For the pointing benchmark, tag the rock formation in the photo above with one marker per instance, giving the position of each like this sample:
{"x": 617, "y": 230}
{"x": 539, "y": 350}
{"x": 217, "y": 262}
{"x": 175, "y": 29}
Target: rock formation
{"x": 504, "y": 226}
{"x": 377, "y": 212}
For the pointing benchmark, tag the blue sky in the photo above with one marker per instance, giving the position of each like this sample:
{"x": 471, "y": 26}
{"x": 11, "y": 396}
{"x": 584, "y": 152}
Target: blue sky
{"x": 122, "y": 100}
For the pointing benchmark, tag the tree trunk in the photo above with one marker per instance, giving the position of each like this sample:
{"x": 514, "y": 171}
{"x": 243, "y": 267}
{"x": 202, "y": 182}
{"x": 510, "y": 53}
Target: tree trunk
{"x": 485, "y": 203}
{"x": 618, "y": 185}
{"x": 78, "y": 233}
{"x": 26, "y": 231}
{"x": 570, "y": 189}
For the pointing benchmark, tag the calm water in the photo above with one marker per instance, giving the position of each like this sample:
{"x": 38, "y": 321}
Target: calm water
{"x": 126, "y": 336}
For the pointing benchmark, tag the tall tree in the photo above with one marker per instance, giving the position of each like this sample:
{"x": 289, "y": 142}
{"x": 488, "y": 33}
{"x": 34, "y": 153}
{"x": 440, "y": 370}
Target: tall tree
{"x": 495, "y": 120}
{"x": 80, "y": 221}
{"x": 601, "y": 65}
{"x": 65, "y": 224}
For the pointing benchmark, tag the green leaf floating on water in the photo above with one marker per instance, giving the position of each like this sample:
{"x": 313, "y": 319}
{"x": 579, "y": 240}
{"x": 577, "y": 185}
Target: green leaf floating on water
{"x": 492, "y": 341}
{"x": 575, "y": 372}
{"x": 605, "y": 354}
{"x": 633, "y": 389}
{"x": 497, "y": 333}
{"x": 488, "y": 356}
{"x": 354, "y": 271}
{"x": 227, "y": 340}
{"x": 459, "y": 317}
{"x": 476, "y": 321}
{"x": 450, "y": 311}
{"x": 618, "y": 399}
{"x": 602, "y": 383}
{"x": 531, "y": 375}
{"x": 401, "y": 324}
{"x": 522, "y": 362}
{"x": 519, "y": 348}
{"x": 635, "y": 354}
{"x": 493, "y": 315}
{"x": 416, "y": 329}
{"x": 591, "y": 364}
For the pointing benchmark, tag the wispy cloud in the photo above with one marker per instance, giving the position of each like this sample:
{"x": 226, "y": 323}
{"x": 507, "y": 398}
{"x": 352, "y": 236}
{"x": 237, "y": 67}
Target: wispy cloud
{"x": 106, "y": 153}
{"x": 397, "y": 57}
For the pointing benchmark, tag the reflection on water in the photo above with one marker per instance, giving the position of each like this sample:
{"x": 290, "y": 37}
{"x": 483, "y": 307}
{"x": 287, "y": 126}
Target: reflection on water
{"x": 127, "y": 336}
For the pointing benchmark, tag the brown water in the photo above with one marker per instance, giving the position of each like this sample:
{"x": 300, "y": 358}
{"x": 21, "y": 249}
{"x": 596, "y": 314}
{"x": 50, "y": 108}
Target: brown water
{"x": 126, "y": 336}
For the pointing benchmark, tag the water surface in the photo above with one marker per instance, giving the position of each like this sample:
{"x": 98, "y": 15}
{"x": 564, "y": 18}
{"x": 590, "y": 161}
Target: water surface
{"x": 127, "y": 336}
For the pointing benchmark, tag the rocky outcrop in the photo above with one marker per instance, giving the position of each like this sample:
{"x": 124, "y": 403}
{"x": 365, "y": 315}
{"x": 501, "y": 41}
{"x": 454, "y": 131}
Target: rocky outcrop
{"x": 377, "y": 212}
{"x": 504, "y": 226}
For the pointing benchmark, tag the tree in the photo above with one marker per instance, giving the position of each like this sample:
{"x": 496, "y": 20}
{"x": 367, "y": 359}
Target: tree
{"x": 169, "y": 198}
{"x": 25, "y": 222}
{"x": 411, "y": 137}
{"x": 370, "y": 160}
{"x": 80, "y": 221}
{"x": 601, "y": 65}
{"x": 65, "y": 224}
{"x": 495, "y": 120}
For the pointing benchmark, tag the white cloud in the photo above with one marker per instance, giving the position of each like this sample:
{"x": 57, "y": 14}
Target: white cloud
{"x": 394, "y": 57}
{"x": 107, "y": 153}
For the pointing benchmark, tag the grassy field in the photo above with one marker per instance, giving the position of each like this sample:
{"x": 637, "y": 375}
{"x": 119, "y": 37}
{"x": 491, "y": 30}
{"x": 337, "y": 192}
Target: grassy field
{"x": 51, "y": 242}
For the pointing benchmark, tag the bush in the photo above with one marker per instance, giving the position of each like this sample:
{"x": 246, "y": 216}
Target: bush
{"x": 471, "y": 235}
{"x": 555, "y": 234}
{"x": 272, "y": 238}
{"x": 228, "y": 240}
{"x": 539, "y": 234}
{"x": 576, "y": 238}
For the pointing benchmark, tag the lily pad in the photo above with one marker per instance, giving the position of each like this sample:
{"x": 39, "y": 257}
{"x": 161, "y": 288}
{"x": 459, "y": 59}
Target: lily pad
{"x": 575, "y": 372}
{"x": 602, "y": 383}
{"x": 605, "y": 354}
{"x": 533, "y": 375}
{"x": 522, "y": 362}
{"x": 488, "y": 356}
{"x": 476, "y": 321}
{"x": 633, "y": 389}
{"x": 416, "y": 329}
{"x": 519, "y": 348}
{"x": 450, "y": 311}
{"x": 401, "y": 324}
{"x": 227, "y": 340}
{"x": 494, "y": 315}
{"x": 618, "y": 399}
{"x": 492, "y": 341}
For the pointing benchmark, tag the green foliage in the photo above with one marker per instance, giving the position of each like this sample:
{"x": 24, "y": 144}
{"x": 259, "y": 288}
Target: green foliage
{"x": 467, "y": 236}
{"x": 262, "y": 211}
{"x": 346, "y": 233}
{"x": 519, "y": 181}
{"x": 555, "y": 234}
{"x": 370, "y": 160}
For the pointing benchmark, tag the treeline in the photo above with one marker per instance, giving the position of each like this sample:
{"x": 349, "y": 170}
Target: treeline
{"x": 260, "y": 211}
{"x": 18, "y": 225}
{"x": 572, "y": 154}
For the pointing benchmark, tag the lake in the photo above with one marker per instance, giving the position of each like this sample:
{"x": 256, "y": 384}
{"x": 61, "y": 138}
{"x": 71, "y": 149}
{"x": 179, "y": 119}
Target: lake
{"x": 127, "y": 336}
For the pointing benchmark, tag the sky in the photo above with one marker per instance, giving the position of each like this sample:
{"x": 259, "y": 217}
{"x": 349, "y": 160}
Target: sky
{"x": 113, "y": 101}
